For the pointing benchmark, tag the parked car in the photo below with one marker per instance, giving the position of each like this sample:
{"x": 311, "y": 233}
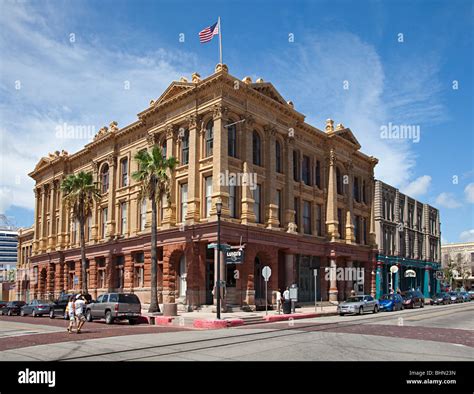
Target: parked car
{"x": 12, "y": 308}
{"x": 391, "y": 302}
{"x": 413, "y": 298}
{"x": 115, "y": 306}
{"x": 3, "y": 303}
{"x": 456, "y": 297}
{"x": 58, "y": 308}
{"x": 358, "y": 304}
{"x": 441, "y": 299}
{"x": 471, "y": 294}
{"x": 36, "y": 308}
{"x": 465, "y": 296}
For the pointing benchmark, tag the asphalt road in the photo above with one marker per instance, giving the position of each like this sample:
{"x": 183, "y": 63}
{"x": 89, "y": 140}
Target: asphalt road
{"x": 434, "y": 333}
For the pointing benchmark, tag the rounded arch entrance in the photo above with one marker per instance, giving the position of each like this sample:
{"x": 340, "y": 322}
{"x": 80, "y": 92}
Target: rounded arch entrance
{"x": 175, "y": 277}
{"x": 261, "y": 260}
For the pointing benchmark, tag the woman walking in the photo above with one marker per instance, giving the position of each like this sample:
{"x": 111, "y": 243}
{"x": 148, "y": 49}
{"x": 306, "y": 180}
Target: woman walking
{"x": 70, "y": 310}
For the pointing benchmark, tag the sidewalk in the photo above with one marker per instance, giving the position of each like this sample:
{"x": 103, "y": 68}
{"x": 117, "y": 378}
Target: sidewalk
{"x": 206, "y": 319}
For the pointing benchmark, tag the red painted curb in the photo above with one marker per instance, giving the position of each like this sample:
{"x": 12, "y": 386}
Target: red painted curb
{"x": 210, "y": 323}
{"x": 235, "y": 322}
{"x": 158, "y": 320}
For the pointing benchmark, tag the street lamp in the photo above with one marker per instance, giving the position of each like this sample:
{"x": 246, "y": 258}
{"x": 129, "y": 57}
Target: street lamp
{"x": 218, "y": 284}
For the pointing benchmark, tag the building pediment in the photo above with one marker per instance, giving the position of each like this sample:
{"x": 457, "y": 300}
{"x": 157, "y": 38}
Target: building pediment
{"x": 269, "y": 90}
{"x": 175, "y": 89}
{"x": 347, "y": 134}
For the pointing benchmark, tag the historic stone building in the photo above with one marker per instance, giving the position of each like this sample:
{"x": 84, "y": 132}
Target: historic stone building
{"x": 304, "y": 202}
{"x": 23, "y": 273}
{"x": 461, "y": 255}
{"x": 408, "y": 235}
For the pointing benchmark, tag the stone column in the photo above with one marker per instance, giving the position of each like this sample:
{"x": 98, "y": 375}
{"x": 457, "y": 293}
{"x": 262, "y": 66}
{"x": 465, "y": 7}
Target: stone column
{"x": 331, "y": 211}
{"x": 289, "y": 197}
{"x": 62, "y": 222}
{"x": 94, "y": 236}
{"x": 111, "y": 223}
{"x": 169, "y": 219}
{"x": 128, "y": 273}
{"x": 50, "y": 281}
{"x": 378, "y": 280}
{"x": 219, "y": 162}
{"x": 93, "y": 277}
{"x": 350, "y": 283}
{"x": 109, "y": 272}
{"x": 37, "y": 232}
{"x": 333, "y": 292}
{"x": 44, "y": 193}
{"x": 194, "y": 179}
{"x": 426, "y": 282}
{"x": 52, "y": 217}
{"x": 289, "y": 269}
{"x": 59, "y": 278}
{"x": 350, "y": 235}
{"x": 247, "y": 214}
{"x": 271, "y": 208}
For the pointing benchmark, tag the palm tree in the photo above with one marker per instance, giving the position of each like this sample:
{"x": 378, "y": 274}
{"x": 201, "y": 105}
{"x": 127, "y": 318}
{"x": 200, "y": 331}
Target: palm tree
{"x": 79, "y": 193}
{"x": 153, "y": 173}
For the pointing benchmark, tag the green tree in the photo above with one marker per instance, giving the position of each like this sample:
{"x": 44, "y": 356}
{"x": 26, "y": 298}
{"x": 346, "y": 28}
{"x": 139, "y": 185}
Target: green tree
{"x": 153, "y": 173}
{"x": 79, "y": 193}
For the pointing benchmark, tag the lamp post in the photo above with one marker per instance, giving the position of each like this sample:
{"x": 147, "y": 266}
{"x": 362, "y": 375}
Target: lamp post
{"x": 218, "y": 284}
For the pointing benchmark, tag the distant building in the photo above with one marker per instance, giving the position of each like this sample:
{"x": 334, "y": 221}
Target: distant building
{"x": 462, "y": 255}
{"x": 8, "y": 253}
{"x": 23, "y": 273}
{"x": 408, "y": 236}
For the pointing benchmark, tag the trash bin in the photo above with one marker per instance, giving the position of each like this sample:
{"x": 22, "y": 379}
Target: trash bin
{"x": 287, "y": 307}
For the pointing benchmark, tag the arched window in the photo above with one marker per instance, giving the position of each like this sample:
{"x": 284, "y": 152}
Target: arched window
{"x": 339, "y": 181}
{"x": 277, "y": 156}
{"x": 182, "y": 276}
{"x": 163, "y": 148}
{"x": 257, "y": 149}
{"x": 104, "y": 178}
{"x": 185, "y": 148}
{"x": 232, "y": 140}
{"x": 209, "y": 137}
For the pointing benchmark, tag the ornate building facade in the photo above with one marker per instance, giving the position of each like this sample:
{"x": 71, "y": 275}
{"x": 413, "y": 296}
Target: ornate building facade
{"x": 296, "y": 197}
{"x": 461, "y": 255}
{"x": 408, "y": 235}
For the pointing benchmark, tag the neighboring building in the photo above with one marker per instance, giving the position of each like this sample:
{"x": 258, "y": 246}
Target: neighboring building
{"x": 8, "y": 258}
{"x": 462, "y": 255}
{"x": 408, "y": 235}
{"x": 309, "y": 208}
{"x": 23, "y": 272}
{"x": 8, "y": 253}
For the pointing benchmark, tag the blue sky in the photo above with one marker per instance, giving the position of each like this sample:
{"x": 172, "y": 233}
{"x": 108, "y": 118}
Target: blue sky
{"x": 71, "y": 62}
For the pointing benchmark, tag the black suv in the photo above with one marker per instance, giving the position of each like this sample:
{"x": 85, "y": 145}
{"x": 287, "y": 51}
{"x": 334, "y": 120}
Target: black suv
{"x": 59, "y": 307}
{"x": 413, "y": 298}
{"x": 12, "y": 308}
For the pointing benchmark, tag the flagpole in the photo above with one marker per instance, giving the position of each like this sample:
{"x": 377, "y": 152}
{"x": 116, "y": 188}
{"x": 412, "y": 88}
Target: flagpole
{"x": 220, "y": 41}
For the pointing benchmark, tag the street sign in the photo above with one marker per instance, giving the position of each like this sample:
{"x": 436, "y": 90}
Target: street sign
{"x": 410, "y": 274}
{"x": 315, "y": 272}
{"x": 76, "y": 280}
{"x": 393, "y": 269}
{"x": 439, "y": 275}
{"x": 294, "y": 292}
{"x": 266, "y": 272}
{"x": 234, "y": 256}
{"x": 214, "y": 246}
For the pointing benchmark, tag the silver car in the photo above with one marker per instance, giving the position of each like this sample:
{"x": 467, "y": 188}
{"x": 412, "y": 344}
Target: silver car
{"x": 358, "y": 304}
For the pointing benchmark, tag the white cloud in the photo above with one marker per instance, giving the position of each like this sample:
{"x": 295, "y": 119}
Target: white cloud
{"x": 311, "y": 73}
{"x": 469, "y": 193}
{"x": 467, "y": 236}
{"x": 81, "y": 83}
{"x": 447, "y": 200}
{"x": 418, "y": 187}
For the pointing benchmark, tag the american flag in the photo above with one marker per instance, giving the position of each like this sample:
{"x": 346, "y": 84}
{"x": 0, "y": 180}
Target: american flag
{"x": 209, "y": 32}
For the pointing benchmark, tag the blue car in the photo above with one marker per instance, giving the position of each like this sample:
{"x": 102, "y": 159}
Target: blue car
{"x": 391, "y": 302}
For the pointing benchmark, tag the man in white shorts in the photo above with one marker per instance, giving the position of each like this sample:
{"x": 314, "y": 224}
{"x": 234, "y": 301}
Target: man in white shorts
{"x": 79, "y": 306}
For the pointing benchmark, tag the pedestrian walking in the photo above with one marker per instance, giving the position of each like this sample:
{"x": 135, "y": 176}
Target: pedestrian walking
{"x": 79, "y": 310}
{"x": 278, "y": 300}
{"x": 70, "y": 311}
{"x": 353, "y": 293}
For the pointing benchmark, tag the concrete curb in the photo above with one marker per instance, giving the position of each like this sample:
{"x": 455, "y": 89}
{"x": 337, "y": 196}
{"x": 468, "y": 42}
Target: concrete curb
{"x": 295, "y": 316}
{"x": 157, "y": 320}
